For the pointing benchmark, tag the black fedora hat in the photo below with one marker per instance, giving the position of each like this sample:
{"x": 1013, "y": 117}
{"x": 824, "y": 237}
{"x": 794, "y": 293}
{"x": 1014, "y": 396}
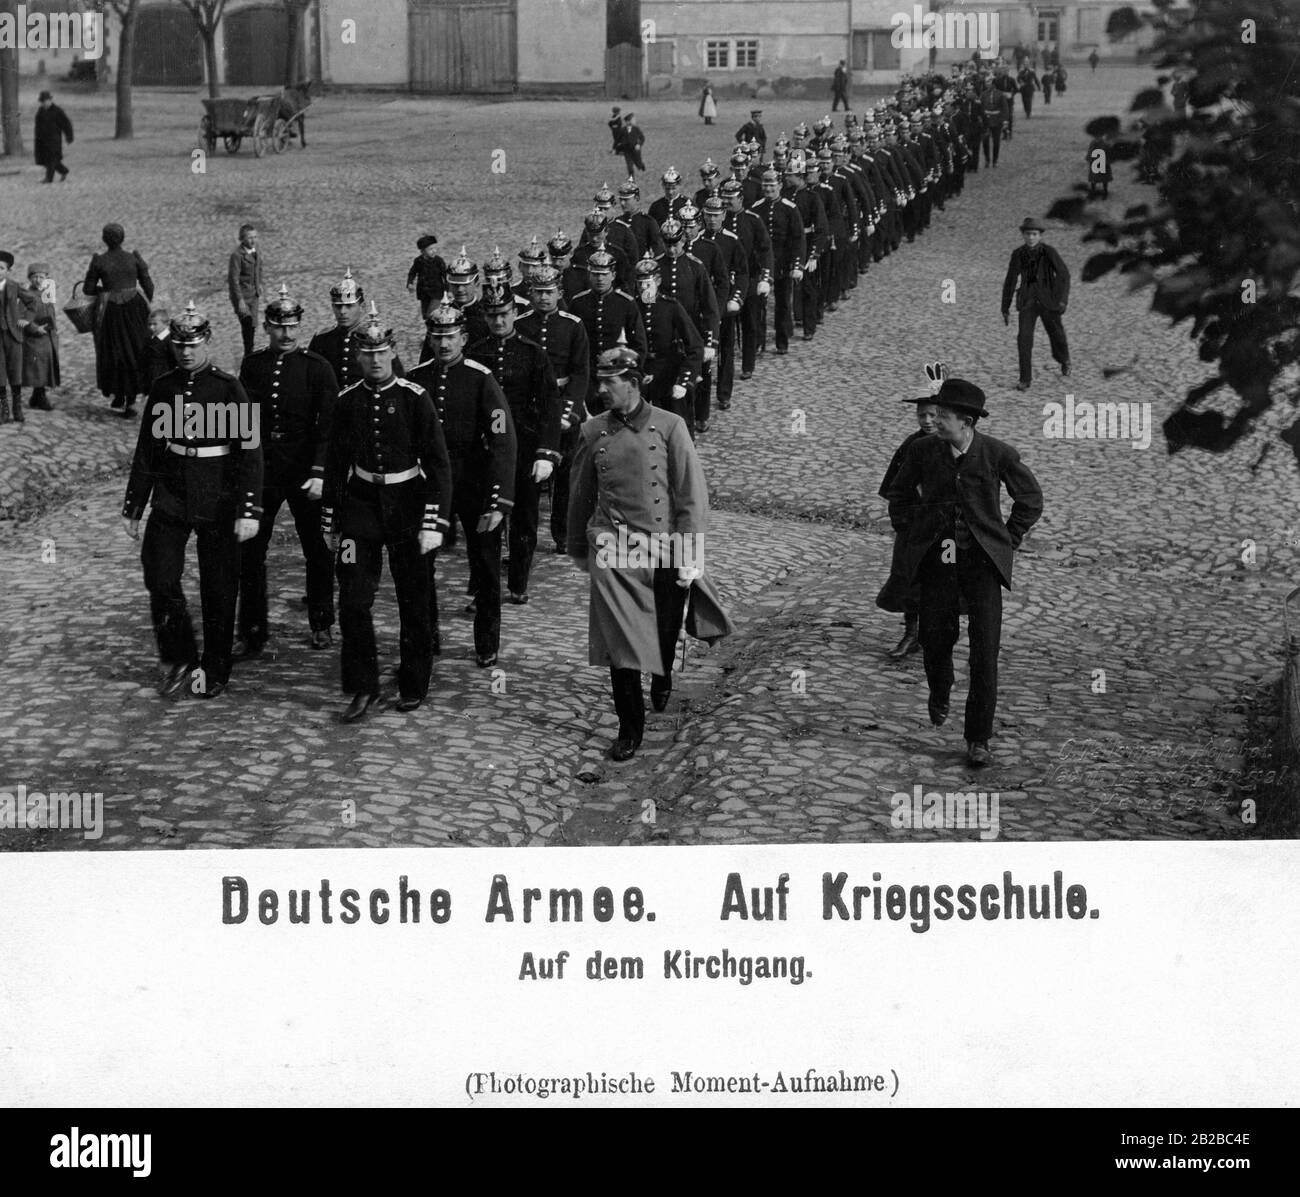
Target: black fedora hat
{"x": 962, "y": 396}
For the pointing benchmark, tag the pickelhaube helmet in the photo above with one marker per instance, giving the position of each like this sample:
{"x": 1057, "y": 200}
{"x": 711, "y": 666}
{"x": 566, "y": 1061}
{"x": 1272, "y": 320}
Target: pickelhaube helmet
{"x": 739, "y": 159}
{"x": 688, "y": 214}
{"x": 821, "y": 125}
{"x": 781, "y": 145}
{"x": 347, "y": 290}
{"x": 545, "y": 276}
{"x": 560, "y": 246}
{"x": 629, "y": 188}
{"x": 497, "y": 268}
{"x": 672, "y": 230}
{"x": 712, "y": 205}
{"x": 801, "y": 130}
{"x": 798, "y": 163}
{"x": 497, "y": 297}
{"x": 604, "y": 197}
{"x": 752, "y": 147}
{"x": 445, "y": 318}
{"x": 708, "y": 169}
{"x": 731, "y": 187}
{"x": 374, "y": 337}
{"x": 771, "y": 175}
{"x": 616, "y": 362}
{"x": 600, "y": 262}
{"x": 283, "y": 310}
{"x": 595, "y": 221}
{"x": 647, "y": 266}
{"x": 671, "y": 176}
{"x": 850, "y": 119}
{"x": 533, "y": 254}
{"x": 463, "y": 268}
{"x": 191, "y": 327}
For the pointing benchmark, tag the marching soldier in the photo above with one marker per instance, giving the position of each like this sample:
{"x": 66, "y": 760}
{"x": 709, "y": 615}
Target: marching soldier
{"x": 735, "y": 270}
{"x": 816, "y": 233}
{"x": 784, "y": 224}
{"x": 339, "y": 345}
{"x": 609, "y": 316}
{"x": 199, "y": 458}
{"x": 674, "y": 350}
{"x": 523, "y": 371}
{"x": 751, "y": 231}
{"x": 752, "y": 189}
{"x": 709, "y": 183}
{"x": 683, "y": 277}
{"x": 719, "y": 277}
{"x": 572, "y": 278}
{"x": 595, "y": 239}
{"x": 387, "y": 487}
{"x": 855, "y": 174}
{"x": 563, "y": 338}
{"x": 466, "y": 284}
{"x": 842, "y": 219}
{"x": 480, "y": 438}
{"x": 617, "y": 234}
{"x": 644, "y": 228}
{"x": 671, "y": 200}
{"x": 296, "y": 394}
{"x": 532, "y": 258}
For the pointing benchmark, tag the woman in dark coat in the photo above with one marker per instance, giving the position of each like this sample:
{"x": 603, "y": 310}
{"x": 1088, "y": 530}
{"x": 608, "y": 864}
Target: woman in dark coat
{"x": 118, "y": 277}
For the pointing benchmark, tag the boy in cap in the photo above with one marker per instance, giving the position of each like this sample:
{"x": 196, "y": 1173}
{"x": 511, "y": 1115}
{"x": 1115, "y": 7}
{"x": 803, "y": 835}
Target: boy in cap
{"x": 428, "y": 274}
{"x": 633, "y": 140}
{"x": 1040, "y": 282}
{"x": 41, "y": 338}
{"x": 944, "y": 503}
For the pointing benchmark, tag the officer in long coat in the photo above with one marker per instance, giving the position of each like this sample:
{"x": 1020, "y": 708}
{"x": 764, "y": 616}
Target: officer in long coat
{"x": 637, "y": 519}
{"x": 199, "y": 459}
{"x": 945, "y": 503}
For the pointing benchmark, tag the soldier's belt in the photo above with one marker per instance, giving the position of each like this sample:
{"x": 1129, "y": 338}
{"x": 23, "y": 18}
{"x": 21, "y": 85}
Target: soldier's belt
{"x": 386, "y": 479}
{"x": 198, "y": 450}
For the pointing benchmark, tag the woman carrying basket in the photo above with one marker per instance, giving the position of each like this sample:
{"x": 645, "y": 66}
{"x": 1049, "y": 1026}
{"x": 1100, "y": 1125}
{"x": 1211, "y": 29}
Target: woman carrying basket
{"x": 117, "y": 277}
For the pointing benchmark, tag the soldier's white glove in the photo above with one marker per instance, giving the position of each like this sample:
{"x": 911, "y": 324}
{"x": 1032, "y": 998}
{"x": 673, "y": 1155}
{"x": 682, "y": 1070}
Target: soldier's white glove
{"x": 796, "y": 274}
{"x": 687, "y": 574}
{"x": 733, "y": 305}
{"x": 314, "y": 487}
{"x": 709, "y": 354}
{"x": 245, "y": 529}
{"x": 542, "y": 470}
{"x": 764, "y": 287}
{"x": 854, "y": 238}
{"x": 679, "y": 391}
{"x": 490, "y": 521}
{"x": 430, "y": 541}
{"x": 871, "y": 229}
{"x": 811, "y": 266}
{"x": 133, "y": 528}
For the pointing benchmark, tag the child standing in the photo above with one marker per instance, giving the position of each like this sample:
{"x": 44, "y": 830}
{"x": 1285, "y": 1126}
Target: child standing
{"x": 40, "y": 337}
{"x": 159, "y": 359}
{"x": 428, "y": 275}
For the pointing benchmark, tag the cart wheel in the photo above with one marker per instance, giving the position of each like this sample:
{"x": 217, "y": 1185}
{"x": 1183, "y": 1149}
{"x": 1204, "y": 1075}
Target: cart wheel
{"x": 232, "y": 142}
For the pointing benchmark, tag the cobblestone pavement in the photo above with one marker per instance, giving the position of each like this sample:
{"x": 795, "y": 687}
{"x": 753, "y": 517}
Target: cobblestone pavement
{"x": 798, "y": 727}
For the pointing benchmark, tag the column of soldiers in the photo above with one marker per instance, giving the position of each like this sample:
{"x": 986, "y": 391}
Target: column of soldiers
{"x": 369, "y": 459}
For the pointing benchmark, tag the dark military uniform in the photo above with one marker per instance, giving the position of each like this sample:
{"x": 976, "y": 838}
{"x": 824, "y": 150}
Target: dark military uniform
{"x": 817, "y": 236}
{"x": 338, "y": 346}
{"x": 644, "y": 229}
{"x": 387, "y": 478}
{"x": 663, "y": 207}
{"x": 563, "y": 337}
{"x": 674, "y": 355}
{"x": 296, "y": 392}
{"x": 480, "y": 438}
{"x": 784, "y": 223}
{"x": 523, "y": 370}
{"x": 731, "y": 287}
{"x": 756, "y": 245}
{"x": 611, "y": 318}
{"x": 200, "y": 485}
{"x": 623, "y": 264}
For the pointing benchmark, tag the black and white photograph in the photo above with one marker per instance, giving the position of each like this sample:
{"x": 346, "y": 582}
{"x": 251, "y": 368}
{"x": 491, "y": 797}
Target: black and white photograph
{"x": 849, "y": 429}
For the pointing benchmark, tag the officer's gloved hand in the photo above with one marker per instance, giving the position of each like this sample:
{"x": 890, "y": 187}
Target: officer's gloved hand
{"x": 489, "y": 521}
{"x": 811, "y": 268}
{"x": 430, "y": 541}
{"x": 687, "y": 574}
{"x": 764, "y": 287}
{"x": 709, "y": 354}
{"x": 542, "y": 469}
{"x": 133, "y": 528}
{"x": 796, "y": 274}
{"x": 315, "y": 487}
{"x": 733, "y": 305}
{"x": 245, "y": 529}
{"x": 679, "y": 391}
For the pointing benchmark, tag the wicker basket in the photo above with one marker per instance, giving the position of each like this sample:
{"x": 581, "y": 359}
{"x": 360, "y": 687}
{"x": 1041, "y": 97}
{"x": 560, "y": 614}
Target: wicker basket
{"x": 81, "y": 311}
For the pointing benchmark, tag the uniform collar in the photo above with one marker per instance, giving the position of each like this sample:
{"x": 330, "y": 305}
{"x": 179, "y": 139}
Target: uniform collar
{"x": 383, "y": 386}
{"x": 637, "y": 420}
{"x": 193, "y": 374}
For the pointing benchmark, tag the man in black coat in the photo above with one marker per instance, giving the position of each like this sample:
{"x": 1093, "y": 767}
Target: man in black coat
{"x": 1040, "y": 282}
{"x": 945, "y": 504}
{"x": 52, "y": 126}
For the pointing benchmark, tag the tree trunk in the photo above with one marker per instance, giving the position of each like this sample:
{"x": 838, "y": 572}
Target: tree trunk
{"x": 124, "y": 128}
{"x": 210, "y": 59}
{"x": 9, "y": 114}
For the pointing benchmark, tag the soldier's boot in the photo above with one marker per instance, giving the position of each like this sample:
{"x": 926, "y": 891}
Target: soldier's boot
{"x": 909, "y": 643}
{"x": 4, "y": 407}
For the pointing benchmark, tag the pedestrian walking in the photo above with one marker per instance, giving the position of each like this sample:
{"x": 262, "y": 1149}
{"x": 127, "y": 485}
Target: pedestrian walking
{"x": 708, "y": 106}
{"x": 752, "y": 130}
{"x": 1061, "y": 75}
{"x": 633, "y": 140}
{"x": 945, "y": 505}
{"x": 840, "y": 88}
{"x": 1093, "y": 59}
{"x": 387, "y": 488}
{"x": 1040, "y": 282}
{"x": 1029, "y": 84}
{"x": 244, "y": 274}
{"x": 1047, "y": 82}
{"x": 52, "y": 128}
{"x": 428, "y": 274}
{"x": 14, "y": 319}
{"x": 638, "y": 514}
{"x": 160, "y": 359}
{"x": 120, "y": 279}
{"x": 615, "y": 125}
{"x": 40, "y": 338}
{"x": 296, "y": 394}
{"x": 202, "y": 476}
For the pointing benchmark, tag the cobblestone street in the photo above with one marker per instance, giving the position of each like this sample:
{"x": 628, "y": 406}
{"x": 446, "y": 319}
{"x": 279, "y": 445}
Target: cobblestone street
{"x": 1138, "y": 620}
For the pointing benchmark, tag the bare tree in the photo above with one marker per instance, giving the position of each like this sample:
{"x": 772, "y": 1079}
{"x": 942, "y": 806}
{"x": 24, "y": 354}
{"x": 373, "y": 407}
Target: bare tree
{"x": 297, "y": 10}
{"x": 207, "y": 16}
{"x": 9, "y": 114}
{"x": 124, "y": 123}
